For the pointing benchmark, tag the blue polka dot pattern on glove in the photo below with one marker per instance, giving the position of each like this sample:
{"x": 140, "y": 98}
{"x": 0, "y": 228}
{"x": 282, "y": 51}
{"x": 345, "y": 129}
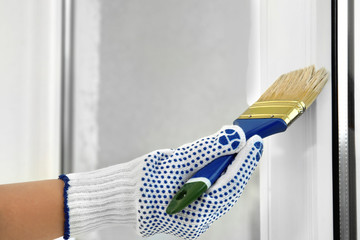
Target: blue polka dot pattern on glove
{"x": 165, "y": 171}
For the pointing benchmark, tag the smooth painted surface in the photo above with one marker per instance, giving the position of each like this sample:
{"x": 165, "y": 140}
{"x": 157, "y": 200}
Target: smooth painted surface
{"x": 296, "y": 180}
{"x": 29, "y": 90}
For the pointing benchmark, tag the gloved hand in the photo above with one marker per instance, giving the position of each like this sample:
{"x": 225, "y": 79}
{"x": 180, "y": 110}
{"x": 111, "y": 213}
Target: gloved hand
{"x": 138, "y": 192}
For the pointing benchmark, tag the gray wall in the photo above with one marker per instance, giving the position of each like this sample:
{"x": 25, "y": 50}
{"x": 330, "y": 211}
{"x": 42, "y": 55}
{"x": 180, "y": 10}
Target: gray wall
{"x": 171, "y": 71}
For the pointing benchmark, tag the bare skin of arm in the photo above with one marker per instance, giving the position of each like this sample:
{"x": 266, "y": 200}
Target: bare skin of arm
{"x": 32, "y": 210}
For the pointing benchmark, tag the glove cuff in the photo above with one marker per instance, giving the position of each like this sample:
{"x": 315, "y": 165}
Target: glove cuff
{"x": 102, "y": 197}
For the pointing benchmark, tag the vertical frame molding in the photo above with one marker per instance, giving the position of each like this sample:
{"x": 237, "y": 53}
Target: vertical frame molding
{"x": 67, "y": 88}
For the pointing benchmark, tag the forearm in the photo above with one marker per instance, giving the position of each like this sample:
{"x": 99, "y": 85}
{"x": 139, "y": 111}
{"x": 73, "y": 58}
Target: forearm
{"x": 32, "y": 210}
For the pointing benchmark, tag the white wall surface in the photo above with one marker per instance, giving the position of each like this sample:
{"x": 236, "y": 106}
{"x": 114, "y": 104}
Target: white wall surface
{"x": 29, "y": 90}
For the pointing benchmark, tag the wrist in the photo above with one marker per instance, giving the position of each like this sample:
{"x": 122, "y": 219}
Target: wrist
{"x": 101, "y": 197}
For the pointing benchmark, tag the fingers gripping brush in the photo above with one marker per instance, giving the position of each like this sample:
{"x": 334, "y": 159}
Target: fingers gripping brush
{"x": 280, "y": 105}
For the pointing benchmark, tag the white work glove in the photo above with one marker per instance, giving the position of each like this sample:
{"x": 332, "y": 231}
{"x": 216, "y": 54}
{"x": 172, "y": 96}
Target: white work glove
{"x": 138, "y": 192}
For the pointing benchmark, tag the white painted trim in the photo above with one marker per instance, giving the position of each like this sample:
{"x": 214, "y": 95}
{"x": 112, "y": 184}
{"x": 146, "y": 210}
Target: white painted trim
{"x": 253, "y": 83}
{"x": 30, "y": 90}
{"x": 293, "y": 35}
{"x": 54, "y": 80}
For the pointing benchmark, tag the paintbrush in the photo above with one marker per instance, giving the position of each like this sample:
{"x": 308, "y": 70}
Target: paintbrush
{"x": 280, "y": 105}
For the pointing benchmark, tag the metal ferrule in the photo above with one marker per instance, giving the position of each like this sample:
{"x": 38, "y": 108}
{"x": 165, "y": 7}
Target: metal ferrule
{"x": 286, "y": 110}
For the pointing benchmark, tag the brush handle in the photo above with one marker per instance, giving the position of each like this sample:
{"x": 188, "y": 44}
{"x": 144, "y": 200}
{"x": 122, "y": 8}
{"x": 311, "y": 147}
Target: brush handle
{"x": 251, "y": 127}
{"x": 263, "y": 127}
{"x": 211, "y": 172}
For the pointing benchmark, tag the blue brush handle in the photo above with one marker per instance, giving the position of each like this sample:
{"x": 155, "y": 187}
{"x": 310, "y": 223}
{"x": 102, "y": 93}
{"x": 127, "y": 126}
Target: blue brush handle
{"x": 251, "y": 127}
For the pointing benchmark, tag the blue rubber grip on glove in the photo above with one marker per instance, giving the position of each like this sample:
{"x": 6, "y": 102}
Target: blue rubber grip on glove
{"x": 262, "y": 127}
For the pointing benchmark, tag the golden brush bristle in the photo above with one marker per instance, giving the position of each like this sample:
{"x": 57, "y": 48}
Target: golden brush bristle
{"x": 300, "y": 85}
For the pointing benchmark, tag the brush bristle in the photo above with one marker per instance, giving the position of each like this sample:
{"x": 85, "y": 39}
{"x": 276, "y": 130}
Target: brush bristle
{"x": 300, "y": 85}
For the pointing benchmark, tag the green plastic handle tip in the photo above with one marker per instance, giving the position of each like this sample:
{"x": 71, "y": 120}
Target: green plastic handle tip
{"x": 185, "y": 196}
